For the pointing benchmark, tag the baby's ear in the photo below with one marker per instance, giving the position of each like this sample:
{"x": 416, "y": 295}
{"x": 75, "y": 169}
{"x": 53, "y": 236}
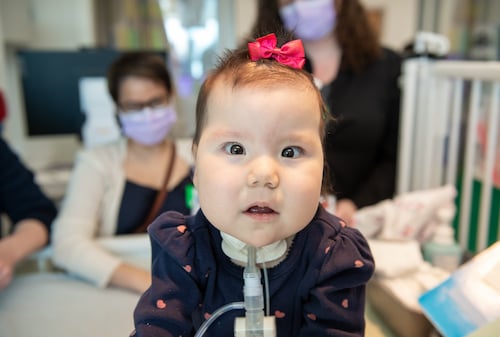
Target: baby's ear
{"x": 194, "y": 150}
{"x": 195, "y": 177}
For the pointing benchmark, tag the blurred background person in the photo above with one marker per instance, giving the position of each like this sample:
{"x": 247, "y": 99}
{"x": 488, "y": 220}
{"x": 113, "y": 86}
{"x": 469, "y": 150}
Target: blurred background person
{"x": 27, "y": 208}
{"x": 119, "y": 188}
{"x": 358, "y": 78}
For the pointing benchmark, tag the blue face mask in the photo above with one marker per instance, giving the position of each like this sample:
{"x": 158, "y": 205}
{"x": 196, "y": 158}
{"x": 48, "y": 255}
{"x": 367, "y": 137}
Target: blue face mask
{"x": 309, "y": 20}
{"x": 148, "y": 126}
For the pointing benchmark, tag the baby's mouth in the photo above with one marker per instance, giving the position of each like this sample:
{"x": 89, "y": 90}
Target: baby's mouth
{"x": 260, "y": 210}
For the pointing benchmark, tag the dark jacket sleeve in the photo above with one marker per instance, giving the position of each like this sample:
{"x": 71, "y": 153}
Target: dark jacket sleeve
{"x": 20, "y": 197}
{"x": 336, "y": 305}
{"x": 165, "y": 309}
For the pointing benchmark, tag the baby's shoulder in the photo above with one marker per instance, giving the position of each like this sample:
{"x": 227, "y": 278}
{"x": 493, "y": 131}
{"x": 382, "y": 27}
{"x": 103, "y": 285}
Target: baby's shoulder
{"x": 328, "y": 227}
{"x": 176, "y": 233}
{"x": 340, "y": 247}
{"x": 169, "y": 226}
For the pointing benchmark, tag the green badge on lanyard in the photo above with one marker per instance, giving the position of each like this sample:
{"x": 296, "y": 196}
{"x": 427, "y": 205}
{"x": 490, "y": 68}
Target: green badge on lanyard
{"x": 191, "y": 198}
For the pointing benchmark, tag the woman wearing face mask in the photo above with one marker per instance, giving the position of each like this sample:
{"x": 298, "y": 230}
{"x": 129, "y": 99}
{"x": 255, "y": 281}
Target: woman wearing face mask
{"x": 120, "y": 188}
{"x": 359, "y": 83}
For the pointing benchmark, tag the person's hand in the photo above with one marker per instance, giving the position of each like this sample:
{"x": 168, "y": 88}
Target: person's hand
{"x": 131, "y": 277}
{"x": 6, "y": 272}
{"x": 6, "y": 265}
{"x": 29, "y": 236}
{"x": 345, "y": 209}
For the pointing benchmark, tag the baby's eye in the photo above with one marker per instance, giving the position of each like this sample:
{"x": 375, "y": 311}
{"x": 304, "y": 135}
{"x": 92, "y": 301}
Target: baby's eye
{"x": 234, "y": 148}
{"x": 291, "y": 152}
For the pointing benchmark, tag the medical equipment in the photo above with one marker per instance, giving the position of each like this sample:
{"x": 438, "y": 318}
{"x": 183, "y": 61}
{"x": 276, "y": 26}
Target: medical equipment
{"x": 255, "y": 323}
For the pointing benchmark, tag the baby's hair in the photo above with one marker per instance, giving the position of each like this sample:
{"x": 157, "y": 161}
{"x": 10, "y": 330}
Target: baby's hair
{"x": 236, "y": 70}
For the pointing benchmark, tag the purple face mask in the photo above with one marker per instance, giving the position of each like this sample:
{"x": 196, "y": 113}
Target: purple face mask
{"x": 148, "y": 126}
{"x": 310, "y": 20}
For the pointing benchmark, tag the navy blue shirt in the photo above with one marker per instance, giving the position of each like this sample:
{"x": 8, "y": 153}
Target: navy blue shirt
{"x": 20, "y": 197}
{"x": 318, "y": 290}
{"x": 137, "y": 201}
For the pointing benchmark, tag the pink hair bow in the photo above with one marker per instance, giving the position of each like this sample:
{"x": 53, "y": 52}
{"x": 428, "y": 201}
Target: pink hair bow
{"x": 290, "y": 54}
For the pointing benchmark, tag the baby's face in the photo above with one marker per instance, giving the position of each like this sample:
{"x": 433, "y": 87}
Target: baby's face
{"x": 259, "y": 162}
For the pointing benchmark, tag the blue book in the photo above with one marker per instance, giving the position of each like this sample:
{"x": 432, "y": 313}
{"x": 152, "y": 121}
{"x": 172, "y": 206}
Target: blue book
{"x": 469, "y": 298}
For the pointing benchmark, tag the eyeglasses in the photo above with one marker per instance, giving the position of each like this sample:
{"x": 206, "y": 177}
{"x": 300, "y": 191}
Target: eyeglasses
{"x": 130, "y": 107}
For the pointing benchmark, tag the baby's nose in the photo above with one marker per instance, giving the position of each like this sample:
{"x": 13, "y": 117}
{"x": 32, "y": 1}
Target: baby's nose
{"x": 264, "y": 172}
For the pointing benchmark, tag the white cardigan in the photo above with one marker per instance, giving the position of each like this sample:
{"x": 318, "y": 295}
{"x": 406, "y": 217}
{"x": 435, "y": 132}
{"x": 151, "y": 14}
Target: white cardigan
{"x": 89, "y": 211}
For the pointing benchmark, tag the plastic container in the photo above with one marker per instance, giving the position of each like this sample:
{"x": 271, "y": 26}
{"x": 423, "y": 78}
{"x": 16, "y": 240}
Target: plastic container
{"x": 442, "y": 250}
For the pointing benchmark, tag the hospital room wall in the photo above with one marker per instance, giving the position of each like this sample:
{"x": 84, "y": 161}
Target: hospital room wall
{"x": 40, "y": 24}
{"x": 52, "y": 24}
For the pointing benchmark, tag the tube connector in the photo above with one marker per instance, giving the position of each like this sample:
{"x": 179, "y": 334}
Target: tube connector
{"x": 254, "y": 324}
{"x": 254, "y": 296}
{"x": 268, "y": 328}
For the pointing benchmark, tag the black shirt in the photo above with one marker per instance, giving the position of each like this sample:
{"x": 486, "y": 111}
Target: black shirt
{"x": 361, "y": 145}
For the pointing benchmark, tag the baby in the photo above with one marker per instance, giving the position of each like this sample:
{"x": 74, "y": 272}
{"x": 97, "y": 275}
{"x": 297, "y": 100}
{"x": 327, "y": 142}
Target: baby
{"x": 259, "y": 169}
